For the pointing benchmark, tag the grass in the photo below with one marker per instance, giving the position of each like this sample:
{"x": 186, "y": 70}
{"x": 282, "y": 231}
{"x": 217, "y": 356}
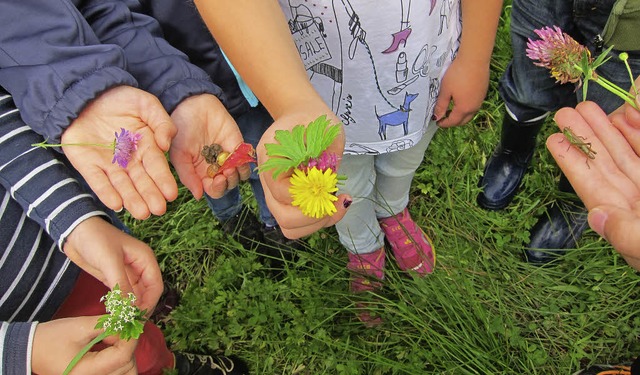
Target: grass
{"x": 484, "y": 311}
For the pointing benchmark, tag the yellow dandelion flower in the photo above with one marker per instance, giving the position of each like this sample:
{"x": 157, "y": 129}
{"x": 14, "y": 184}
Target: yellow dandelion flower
{"x": 313, "y": 191}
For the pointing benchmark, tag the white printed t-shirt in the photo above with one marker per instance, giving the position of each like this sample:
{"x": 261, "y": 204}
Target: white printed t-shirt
{"x": 378, "y": 64}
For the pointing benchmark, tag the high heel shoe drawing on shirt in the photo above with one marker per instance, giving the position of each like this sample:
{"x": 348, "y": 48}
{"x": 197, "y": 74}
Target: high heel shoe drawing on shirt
{"x": 405, "y": 29}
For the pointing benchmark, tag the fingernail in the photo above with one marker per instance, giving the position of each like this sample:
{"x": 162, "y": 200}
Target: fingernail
{"x": 597, "y": 220}
{"x": 347, "y": 203}
{"x": 118, "y": 210}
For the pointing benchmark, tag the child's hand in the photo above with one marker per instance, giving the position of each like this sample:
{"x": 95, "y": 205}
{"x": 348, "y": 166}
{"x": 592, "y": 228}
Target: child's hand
{"x": 56, "y": 342}
{"x": 464, "y": 86}
{"x": 116, "y": 258}
{"x": 147, "y": 183}
{"x": 291, "y": 220}
{"x": 201, "y": 121}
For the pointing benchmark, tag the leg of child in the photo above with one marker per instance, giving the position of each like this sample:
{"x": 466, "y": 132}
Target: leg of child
{"x": 394, "y": 174}
{"x": 359, "y": 230}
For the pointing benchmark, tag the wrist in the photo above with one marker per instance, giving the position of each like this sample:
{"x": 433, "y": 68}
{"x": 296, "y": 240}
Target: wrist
{"x": 81, "y": 233}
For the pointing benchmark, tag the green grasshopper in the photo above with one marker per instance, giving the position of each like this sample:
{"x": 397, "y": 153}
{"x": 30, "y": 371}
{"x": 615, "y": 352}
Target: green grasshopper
{"x": 578, "y": 142}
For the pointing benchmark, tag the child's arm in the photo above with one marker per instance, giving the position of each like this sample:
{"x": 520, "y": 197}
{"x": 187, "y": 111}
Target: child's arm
{"x": 465, "y": 82}
{"x": 255, "y": 37}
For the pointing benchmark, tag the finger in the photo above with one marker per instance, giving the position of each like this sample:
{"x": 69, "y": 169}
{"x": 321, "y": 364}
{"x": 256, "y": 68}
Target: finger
{"x": 621, "y": 228}
{"x": 187, "y": 173}
{"x": 279, "y": 188}
{"x": 342, "y": 205}
{"x": 244, "y": 171}
{"x": 132, "y": 200}
{"x": 442, "y": 105}
{"x": 99, "y": 182}
{"x": 148, "y": 285}
{"x": 147, "y": 189}
{"x": 630, "y": 128}
{"x": 154, "y": 116}
{"x": 454, "y": 118}
{"x": 617, "y": 144}
{"x": 633, "y": 115}
{"x": 216, "y": 187}
{"x": 233, "y": 178}
{"x": 156, "y": 166}
{"x": 117, "y": 358}
{"x": 117, "y": 275}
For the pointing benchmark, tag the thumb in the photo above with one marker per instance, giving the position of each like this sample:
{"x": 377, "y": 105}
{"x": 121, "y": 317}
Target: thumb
{"x": 621, "y": 227}
{"x": 118, "y": 277}
{"x": 155, "y": 117}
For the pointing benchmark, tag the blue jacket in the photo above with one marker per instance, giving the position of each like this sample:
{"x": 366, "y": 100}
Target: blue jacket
{"x": 56, "y": 55}
{"x": 185, "y": 30}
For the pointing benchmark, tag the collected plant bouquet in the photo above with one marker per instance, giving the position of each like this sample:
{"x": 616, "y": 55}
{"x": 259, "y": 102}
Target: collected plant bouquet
{"x": 303, "y": 149}
{"x": 123, "y": 319}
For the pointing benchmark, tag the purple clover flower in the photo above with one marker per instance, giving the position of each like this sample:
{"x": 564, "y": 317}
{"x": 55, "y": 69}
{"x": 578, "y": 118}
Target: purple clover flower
{"x": 560, "y": 53}
{"x": 124, "y": 146}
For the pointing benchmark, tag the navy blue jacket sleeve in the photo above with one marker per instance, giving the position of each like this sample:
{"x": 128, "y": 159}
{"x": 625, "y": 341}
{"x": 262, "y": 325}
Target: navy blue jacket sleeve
{"x": 64, "y": 53}
{"x": 183, "y": 27}
{"x": 53, "y": 64}
{"x": 159, "y": 68}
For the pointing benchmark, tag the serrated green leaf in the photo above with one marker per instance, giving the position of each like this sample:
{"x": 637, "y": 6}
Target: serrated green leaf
{"x": 297, "y": 146}
{"x": 291, "y": 143}
{"x": 330, "y": 135}
{"x": 279, "y": 165}
{"x": 315, "y": 135}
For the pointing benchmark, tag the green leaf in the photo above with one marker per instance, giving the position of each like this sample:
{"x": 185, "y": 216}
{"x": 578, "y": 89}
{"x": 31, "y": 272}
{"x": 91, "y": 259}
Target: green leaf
{"x": 315, "y": 133}
{"x": 297, "y": 146}
{"x": 279, "y": 165}
{"x": 602, "y": 58}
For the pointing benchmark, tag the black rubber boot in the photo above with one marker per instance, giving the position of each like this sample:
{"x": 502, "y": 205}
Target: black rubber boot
{"x": 507, "y": 165}
{"x": 558, "y": 229}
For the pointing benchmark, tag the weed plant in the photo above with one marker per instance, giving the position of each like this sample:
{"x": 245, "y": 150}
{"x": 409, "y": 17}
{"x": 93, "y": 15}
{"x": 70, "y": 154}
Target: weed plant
{"x": 484, "y": 310}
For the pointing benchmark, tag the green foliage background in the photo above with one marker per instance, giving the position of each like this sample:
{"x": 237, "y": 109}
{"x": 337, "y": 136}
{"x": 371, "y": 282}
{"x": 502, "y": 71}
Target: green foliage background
{"x": 484, "y": 311}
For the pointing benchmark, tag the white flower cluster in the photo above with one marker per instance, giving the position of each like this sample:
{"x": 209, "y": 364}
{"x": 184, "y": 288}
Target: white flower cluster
{"x": 121, "y": 310}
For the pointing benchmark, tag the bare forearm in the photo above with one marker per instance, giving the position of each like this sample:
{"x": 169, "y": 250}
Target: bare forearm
{"x": 479, "y": 26}
{"x": 256, "y": 38}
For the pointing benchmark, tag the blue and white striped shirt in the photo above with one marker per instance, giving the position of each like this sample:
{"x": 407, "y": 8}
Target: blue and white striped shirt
{"x": 41, "y": 202}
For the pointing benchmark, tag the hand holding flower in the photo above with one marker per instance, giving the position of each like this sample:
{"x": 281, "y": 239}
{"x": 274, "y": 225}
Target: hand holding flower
{"x": 56, "y": 342}
{"x": 144, "y": 186}
{"x": 298, "y": 168}
{"x": 123, "y": 319}
{"x": 115, "y": 258}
